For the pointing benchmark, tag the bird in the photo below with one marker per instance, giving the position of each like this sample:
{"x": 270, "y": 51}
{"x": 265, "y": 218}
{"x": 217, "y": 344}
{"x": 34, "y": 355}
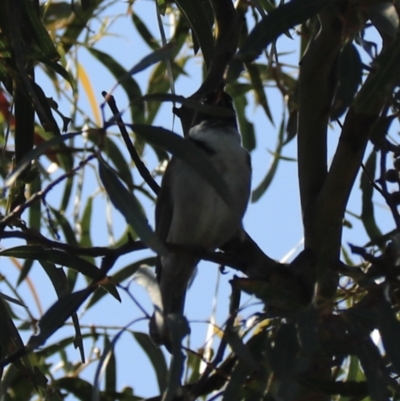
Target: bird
{"x": 189, "y": 211}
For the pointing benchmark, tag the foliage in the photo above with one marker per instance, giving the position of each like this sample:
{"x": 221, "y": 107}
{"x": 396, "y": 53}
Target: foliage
{"x": 311, "y": 335}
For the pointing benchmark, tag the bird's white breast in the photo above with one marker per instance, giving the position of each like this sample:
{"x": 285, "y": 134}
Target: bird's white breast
{"x": 200, "y": 216}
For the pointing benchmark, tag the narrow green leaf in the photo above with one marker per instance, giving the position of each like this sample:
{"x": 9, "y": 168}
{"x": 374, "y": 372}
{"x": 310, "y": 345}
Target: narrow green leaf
{"x": 265, "y": 183}
{"x": 156, "y": 358}
{"x": 45, "y": 114}
{"x": 26, "y": 267}
{"x": 156, "y": 56}
{"x": 81, "y": 389}
{"x": 120, "y": 276}
{"x": 12, "y": 300}
{"x": 114, "y": 153}
{"x": 85, "y": 223}
{"x": 234, "y": 388}
{"x": 40, "y": 253}
{"x": 349, "y": 76}
{"x": 78, "y": 339}
{"x": 10, "y": 342}
{"x": 56, "y": 316}
{"x": 367, "y": 213}
{"x": 379, "y": 84}
{"x": 371, "y": 362}
{"x": 36, "y": 29}
{"x": 201, "y": 26}
{"x": 60, "y": 345}
{"x": 355, "y": 372}
{"x": 239, "y": 348}
{"x": 129, "y": 85}
{"x": 66, "y": 228}
{"x": 57, "y": 277}
{"x": 258, "y": 87}
{"x": 144, "y": 32}
{"x": 24, "y": 123}
{"x": 35, "y": 153}
{"x": 77, "y": 24}
{"x": 59, "y": 280}
{"x": 60, "y": 70}
{"x": 245, "y": 126}
{"x": 158, "y": 81}
{"x": 129, "y": 207}
{"x": 66, "y": 194}
{"x": 389, "y": 328}
{"x": 111, "y": 368}
{"x": 277, "y": 22}
{"x": 384, "y": 17}
{"x": 35, "y": 210}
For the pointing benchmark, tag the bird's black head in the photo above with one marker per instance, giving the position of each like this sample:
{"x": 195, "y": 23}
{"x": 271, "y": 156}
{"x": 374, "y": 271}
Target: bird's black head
{"x": 221, "y": 110}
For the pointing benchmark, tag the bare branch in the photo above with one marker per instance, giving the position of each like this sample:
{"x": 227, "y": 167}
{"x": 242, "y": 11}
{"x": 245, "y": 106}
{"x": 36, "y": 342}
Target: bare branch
{"x": 142, "y": 169}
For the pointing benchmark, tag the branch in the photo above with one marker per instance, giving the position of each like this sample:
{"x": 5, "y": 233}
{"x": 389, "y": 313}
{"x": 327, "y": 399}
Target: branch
{"x": 143, "y": 171}
{"x": 316, "y": 89}
{"x": 328, "y": 211}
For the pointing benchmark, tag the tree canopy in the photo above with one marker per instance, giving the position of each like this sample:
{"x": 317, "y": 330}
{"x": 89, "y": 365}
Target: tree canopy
{"x": 325, "y": 325}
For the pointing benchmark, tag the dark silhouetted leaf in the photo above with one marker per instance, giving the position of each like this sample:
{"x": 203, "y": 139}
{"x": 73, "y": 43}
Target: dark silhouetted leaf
{"x": 384, "y": 17}
{"x": 307, "y": 328}
{"x": 144, "y": 32}
{"x": 367, "y": 213}
{"x": 258, "y": 87}
{"x": 129, "y": 207}
{"x": 38, "y": 32}
{"x": 269, "y": 293}
{"x": 80, "y": 388}
{"x": 277, "y": 22}
{"x": 38, "y": 252}
{"x": 114, "y": 153}
{"x": 283, "y": 356}
{"x": 239, "y": 348}
{"x": 233, "y": 390}
{"x": 129, "y": 85}
{"x": 201, "y": 26}
{"x": 371, "y": 363}
{"x": 120, "y": 276}
{"x": 349, "y": 77}
{"x": 156, "y": 358}
{"x": 265, "y": 183}
{"x": 389, "y": 328}
{"x": 379, "y": 84}
{"x": 56, "y": 316}
{"x": 36, "y": 152}
{"x": 245, "y": 126}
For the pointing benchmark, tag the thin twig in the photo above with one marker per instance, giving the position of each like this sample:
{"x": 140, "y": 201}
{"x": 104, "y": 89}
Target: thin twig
{"x": 41, "y": 194}
{"x": 143, "y": 171}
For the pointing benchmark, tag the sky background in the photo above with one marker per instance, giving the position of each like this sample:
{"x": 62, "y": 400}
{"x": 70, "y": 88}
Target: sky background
{"x": 274, "y": 222}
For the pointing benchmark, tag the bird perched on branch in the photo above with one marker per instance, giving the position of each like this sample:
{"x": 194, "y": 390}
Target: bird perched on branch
{"x": 190, "y": 212}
